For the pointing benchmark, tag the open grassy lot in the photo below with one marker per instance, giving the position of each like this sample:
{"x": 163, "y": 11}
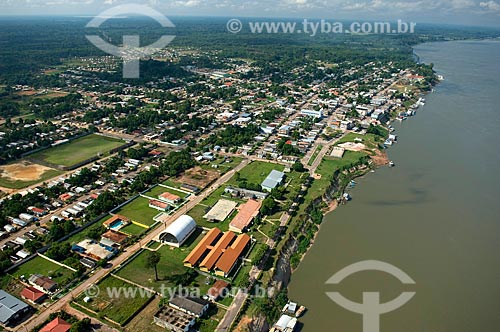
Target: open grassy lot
{"x": 78, "y": 150}
{"x": 370, "y": 140}
{"x": 133, "y": 229}
{"x": 172, "y": 183}
{"x": 117, "y": 308}
{"x": 256, "y": 172}
{"x": 40, "y": 265}
{"x": 144, "y": 320}
{"x": 326, "y": 169}
{"x": 138, "y": 210}
{"x": 210, "y": 323}
{"x": 171, "y": 263}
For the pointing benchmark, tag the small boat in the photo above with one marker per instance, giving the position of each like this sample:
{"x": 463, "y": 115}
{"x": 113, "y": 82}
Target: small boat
{"x": 300, "y": 311}
{"x": 392, "y": 164}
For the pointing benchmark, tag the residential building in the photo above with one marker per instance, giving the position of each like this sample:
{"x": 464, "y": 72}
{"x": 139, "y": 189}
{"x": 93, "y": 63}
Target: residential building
{"x": 169, "y": 198}
{"x": 217, "y": 290}
{"x": 33, "y": 295}
{"x": 57, "y": 325}
{"x": 43, "y": 283}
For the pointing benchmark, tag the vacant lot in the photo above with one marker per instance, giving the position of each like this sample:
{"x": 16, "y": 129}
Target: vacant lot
{"x": 118, "y": 308}
{"x": 78, "y": 150}
{"x": 199, "y": 177}
{"x": 23, "y": 174}
{"x": 40, "y": 265}
{"x": 144, "y": 320}
{"x": 256, "y": 172}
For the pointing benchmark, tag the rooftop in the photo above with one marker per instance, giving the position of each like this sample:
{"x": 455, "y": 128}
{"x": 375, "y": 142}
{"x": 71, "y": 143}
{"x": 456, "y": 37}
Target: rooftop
{"x": 246, "y": 213}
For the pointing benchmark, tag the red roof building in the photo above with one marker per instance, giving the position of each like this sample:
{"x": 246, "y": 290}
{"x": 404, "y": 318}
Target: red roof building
{"x": 32, "y": 294}
{"x": 57, "y": 325}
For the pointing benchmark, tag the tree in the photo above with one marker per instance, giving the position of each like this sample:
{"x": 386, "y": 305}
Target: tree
{"x": 268, "y": 206}
{"x": 83, "y": 325}
{"x": 152, "y": 261}
{"x": 298, "y": 167}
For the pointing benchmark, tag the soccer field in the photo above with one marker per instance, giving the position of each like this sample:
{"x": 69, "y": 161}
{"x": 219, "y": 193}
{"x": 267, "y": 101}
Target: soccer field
{"x": 80, "y": 149}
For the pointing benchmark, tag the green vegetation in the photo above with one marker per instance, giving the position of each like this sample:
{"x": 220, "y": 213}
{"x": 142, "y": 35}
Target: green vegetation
{"x": 315, "y": 154}
{"x": 78, "y": 150}
{"x": 138, "y": 210}
{"x": 255, "y": 173}
{"x": 169, "y": 266}
{"x": 40, "y": 265}
{"x": 117, "y": 308}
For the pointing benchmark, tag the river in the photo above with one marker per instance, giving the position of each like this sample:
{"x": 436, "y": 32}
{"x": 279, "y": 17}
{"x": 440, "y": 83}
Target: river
{"x": 436, "y": 215}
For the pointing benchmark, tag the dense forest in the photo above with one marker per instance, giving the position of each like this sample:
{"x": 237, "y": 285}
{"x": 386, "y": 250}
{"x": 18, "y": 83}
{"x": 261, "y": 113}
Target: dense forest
{"x": 29, "y": 45}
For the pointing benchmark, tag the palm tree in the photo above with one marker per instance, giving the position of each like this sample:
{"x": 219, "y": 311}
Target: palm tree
{"x": 152, "y": 261}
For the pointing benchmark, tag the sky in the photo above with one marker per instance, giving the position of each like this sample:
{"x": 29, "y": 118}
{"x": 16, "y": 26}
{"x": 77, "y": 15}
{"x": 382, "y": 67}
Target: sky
{"x": 459, "y": 12}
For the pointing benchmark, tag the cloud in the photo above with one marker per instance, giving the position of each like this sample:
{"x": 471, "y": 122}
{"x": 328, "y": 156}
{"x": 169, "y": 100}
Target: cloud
{"x": 490, "y": 6}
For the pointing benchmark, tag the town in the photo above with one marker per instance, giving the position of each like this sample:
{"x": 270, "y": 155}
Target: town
{"x": 210, "y": 177}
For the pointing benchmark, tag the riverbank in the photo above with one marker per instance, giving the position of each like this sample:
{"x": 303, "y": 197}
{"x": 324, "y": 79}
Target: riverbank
{"x": 423, "y": 216}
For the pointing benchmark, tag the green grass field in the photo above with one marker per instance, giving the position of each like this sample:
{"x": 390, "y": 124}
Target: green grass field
{"x": 78, "y": 150}
{"x": 117, "y": 308}
{"x": 138, "y": 210}
{"x": 256, "y": 172}
{"x": 171, "y": 263}
{"x": 40, "y": 265}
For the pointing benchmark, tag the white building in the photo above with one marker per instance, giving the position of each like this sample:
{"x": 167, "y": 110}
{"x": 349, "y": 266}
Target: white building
{"x": 178, "y": 232}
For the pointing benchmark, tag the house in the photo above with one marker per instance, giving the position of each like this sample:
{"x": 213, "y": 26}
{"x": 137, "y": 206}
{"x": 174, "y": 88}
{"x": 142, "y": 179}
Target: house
{"x": 11, "y": 308}
{"x": 37, "y": 211}
{"x": 65, "y": 197}
{"x": 191, "y": 305}
{"x": 43, "y": 283}
{"x": 57, "y": 325}
{"x": 274, "y": 179}
{"x": 113, "y": 239}
{"x": 116, "y": 222}
{"x": 169, "y": 198}
{"x": 247, "y": 212}
{"x": 33, "y": 295}
{"x": 159, "y": 205}
{"x": 93, "y": 250}
{"x": 26, "y": 217}
{"x": 218, "y": 290}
